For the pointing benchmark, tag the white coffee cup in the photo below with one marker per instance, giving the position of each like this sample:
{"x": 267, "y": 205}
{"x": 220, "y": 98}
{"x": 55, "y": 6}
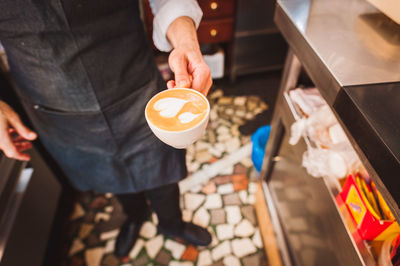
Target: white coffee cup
{"x": 183, "y": 138}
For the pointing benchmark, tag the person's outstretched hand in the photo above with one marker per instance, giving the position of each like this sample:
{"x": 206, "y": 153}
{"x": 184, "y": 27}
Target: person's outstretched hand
{"x": 15, "y": 137}
{"x": 186, "y": 60}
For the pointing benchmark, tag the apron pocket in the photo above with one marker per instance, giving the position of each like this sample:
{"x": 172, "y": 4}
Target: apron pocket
{"x": 85, "y": 131}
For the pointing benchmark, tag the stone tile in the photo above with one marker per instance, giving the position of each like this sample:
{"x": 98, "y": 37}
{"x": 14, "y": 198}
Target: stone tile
{"x": 252, "y": 187}
{"x": 225, "y": 100}
{"x": 218, "y": 216}
{"x": 204, "y": 258}
{"x": 229, "y": 111}
{"x": 202, "y": 145}
{"x": 178, "y": 263}
{"x": 243, "y": 247}
{"x": 252, "y": 104}
{"x": 148, "y": 230}
{"x": 247, "y": 162}
{"x": 214, "y": 239}
{"x": 213, "y": 201}
{"x": 227, "y": 170}
{"x": 243, "y": 196}
{"x": 125, "y": 260}
{"x": 187, "y": 215}
{"x": 109, "y": 234}
{"x": 193, "y": 167}
{"x": 225, "y": 189}
{"x": 237, "y": 120}
{"x": 136, "y": 249}
{"x": 249, "y": 116}
{"x": 257, "y": 239}
{"x": 231, "y": 199}
{"x": 93, "y": 256}
{"x": 196, "y": 188}
{"x": 85, "y": 230}
{"x": 117, "y": 218}
{"x": 233, "y": 215}
{"x": 220, "y": 147}
{"x": 163, "y": 258}
{"x": 211, "y": 138}
{"x": 98, "y": 202}
{"x": 141, "y": 261}
{"x": 154, "y": 218}
{"x": 209, "y": 188}
{"x": 240, "y": 185}
{"x": 201, "y": 217}
{"x": 240, "y": 101}
{"x": 110, "y": 245}
{"x": 240, "y": 169}
{"x": 223, "y": 130}
{"x": 110, "y": 260}
{"x": 249, "y": 213}
{"x": 251, "y": 199}
{"x": 154, "y": 245}
{"x": 176, "y": 248}
{"x": 76, "y": 261}
{"x": 78, "y": 212}
{"x": 109, "y": 209}
{"x": 232, "y": 145}
{"x": 220, "y": 180}
{"x": 235, "y": 131}
{"x": 193, "y": 201}
{"x": 221, "y": 251}
{"x": 216, "y": 94}
{"x": 101, "y": 216}
{"x": 190, "y": 253}
{"x": 224, "y": 231}
{"x": 215, "y": 152}
{"x": 231, "y": 261}
{"x": 202, "y": 156}
{"x": 252, "y": 260}
{"x": 244, "y": 229}
{"x": 76, "y": 246}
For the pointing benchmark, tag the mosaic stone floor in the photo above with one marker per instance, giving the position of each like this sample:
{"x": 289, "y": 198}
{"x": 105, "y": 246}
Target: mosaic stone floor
{"x": 218, "y": 194}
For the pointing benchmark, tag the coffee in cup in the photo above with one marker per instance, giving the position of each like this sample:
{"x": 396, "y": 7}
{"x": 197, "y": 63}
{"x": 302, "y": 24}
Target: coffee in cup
{"x": 178, "y": 116}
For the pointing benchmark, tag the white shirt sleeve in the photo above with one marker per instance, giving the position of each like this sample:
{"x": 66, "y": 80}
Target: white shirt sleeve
{"x": 165, "y": 12}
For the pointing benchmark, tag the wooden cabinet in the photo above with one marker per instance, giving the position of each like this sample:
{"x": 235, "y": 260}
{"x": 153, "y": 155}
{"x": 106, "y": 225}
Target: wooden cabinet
{"x": 216, "y": 25}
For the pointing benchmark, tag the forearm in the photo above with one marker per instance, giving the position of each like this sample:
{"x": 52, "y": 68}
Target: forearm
{"x": 182, "y": 33}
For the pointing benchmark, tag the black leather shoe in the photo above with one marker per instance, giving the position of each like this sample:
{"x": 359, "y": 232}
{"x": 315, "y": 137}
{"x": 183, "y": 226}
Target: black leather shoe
{"x": 127, "y": 236}
{"x": 190, "y": 233}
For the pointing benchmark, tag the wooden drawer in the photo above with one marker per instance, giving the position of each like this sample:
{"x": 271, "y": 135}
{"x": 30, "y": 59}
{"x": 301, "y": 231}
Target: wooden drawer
{"x": 217, "y": 8}
{"x": 215, "y": 30}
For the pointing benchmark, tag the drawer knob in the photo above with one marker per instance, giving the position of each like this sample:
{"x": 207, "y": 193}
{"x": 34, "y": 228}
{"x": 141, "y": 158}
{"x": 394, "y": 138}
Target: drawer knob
{"x": 214, "y": 5}
{"x": 213, "y": 32}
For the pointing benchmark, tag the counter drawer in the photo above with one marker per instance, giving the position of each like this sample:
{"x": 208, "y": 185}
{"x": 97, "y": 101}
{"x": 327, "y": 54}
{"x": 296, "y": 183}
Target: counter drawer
{"x": 216, "y": 30}
{"x": 217, "y": 8}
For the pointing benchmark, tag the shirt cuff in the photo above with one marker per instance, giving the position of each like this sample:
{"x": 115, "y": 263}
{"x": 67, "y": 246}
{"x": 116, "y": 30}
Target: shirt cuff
{"x": 170, "y": 11}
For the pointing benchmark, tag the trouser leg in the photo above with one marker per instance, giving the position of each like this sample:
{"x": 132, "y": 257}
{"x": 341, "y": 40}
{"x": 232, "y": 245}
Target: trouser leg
{"x": 133, "y": 204}
{"x": 165, "y": 202}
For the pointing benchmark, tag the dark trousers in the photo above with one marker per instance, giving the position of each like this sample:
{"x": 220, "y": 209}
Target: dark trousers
{"x": 163, "y": 200}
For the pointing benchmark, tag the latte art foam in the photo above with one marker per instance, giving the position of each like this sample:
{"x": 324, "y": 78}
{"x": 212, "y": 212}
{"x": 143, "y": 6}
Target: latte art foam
{"x": 176, "y": 109}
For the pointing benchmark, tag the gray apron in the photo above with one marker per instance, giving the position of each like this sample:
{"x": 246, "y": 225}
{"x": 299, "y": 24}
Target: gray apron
{"x": 84, "y": 73}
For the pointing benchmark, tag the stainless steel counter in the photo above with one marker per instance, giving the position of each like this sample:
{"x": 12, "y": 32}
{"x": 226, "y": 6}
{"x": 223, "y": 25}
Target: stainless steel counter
{"x": 351, "y": 51}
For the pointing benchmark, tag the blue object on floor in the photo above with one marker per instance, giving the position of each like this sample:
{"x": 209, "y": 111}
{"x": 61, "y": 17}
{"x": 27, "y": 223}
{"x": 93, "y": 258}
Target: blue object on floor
{"x": 259, "y": 139}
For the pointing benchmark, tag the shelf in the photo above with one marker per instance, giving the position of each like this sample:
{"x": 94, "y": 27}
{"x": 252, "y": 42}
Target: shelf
{"x": 331, "y": 185}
